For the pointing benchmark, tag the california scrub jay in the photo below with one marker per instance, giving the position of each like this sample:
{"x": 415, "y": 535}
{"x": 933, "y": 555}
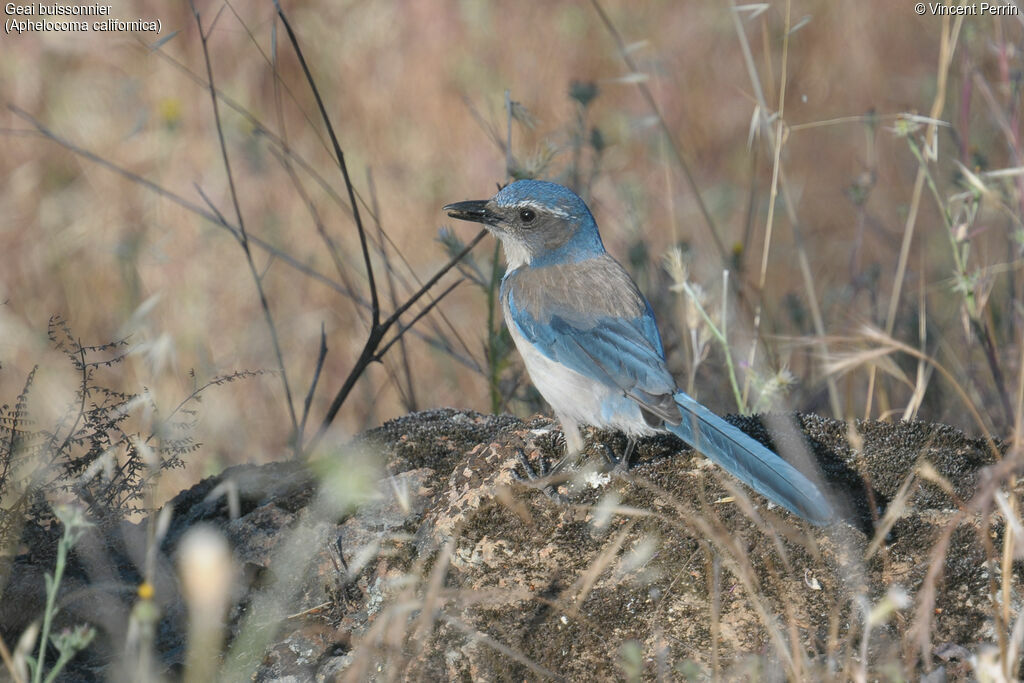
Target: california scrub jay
{"x": 591, "y": 345}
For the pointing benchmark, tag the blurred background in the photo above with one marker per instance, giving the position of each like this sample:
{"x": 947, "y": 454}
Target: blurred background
{"x": 849, "y": 221}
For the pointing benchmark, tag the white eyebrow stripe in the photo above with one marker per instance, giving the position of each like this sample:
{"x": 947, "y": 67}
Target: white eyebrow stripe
{"x": 542, "y": 208}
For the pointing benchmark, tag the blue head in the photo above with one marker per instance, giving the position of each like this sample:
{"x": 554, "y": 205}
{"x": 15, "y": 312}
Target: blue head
{"x": 539, "y": 223}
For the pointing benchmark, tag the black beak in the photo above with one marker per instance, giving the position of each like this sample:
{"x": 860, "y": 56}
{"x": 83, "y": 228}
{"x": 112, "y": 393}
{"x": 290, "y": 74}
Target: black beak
{"x": 475, "y": 211}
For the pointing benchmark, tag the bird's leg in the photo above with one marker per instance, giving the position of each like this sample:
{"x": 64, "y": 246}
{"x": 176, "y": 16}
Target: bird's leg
{"x": 561, "y": 464}
{"x": 573, "y": 445}
{"x": 609, "y": 455}
{"x": 531, "y": 474}
{"x": 623, "y": 464}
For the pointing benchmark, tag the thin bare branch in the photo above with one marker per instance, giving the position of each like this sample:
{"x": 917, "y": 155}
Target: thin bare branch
{"x": 645, "y": 92}
{"x": 296, "y": 438}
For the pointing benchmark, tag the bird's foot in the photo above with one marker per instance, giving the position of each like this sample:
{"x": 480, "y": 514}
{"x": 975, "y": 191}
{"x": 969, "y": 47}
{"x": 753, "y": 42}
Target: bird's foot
{"x": 621, "y": 465}
{"x": 566, "y": 461}
{"x": 541, "y": 475}
{"x": 532, "y": 474}
{"x": 611, "y": 462}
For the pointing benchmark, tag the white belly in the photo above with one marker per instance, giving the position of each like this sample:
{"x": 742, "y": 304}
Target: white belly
{"x": 576, "y": 398}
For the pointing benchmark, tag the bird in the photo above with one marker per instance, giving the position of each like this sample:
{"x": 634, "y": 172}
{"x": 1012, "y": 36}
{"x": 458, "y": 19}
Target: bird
{"x": 591, "y": 345}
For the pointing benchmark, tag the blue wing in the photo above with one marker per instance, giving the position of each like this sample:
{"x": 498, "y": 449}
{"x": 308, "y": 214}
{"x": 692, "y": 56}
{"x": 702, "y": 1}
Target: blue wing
{"x": 625, "y": 353}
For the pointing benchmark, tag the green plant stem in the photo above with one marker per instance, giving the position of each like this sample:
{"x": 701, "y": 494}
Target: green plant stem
{"x": 65, "y": 657}
{"x": 974, "y": 314}
{"x": 737, "y": 393}
{"x": 52, "y": 585}
{"x": 961, "y": 266}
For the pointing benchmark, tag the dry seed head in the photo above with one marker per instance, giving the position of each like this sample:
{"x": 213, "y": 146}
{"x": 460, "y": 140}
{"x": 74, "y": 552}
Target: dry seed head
{"x": 206, "y": 572}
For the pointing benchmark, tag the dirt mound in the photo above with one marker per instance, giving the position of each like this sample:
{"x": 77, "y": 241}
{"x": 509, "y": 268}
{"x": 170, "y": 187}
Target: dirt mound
{"x": 457, "y": 568}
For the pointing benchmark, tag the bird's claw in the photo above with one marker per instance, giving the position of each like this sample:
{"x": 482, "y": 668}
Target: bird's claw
{"x": 619, "y": 465}
{"x": 560, "y": 465}
{"x": 531, "y": 473}
{"x": 539, "y": 475}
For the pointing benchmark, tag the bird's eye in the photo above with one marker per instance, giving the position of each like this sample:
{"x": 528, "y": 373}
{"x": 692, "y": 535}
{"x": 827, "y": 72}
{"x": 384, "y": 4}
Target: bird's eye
{"x": 527, "y": 215}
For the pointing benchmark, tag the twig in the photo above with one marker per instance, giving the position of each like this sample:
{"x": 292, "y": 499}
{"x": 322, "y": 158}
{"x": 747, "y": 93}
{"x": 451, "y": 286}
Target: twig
{"x": 296, "y": 437}
{"x": 374, "y": 339}
{"x": 378, "y": 328}
{"x": 402, "y": 329}
{"x": 946, "y": 47}
{"x": 5, "y": 654}
{"x": 321, "y": 356}
{"x": 189, "y": 206}
{"x": 410, "y": 389}
{"x": 645, "y": 92}
{"x": 776, "y": 140}
{"x": 374, "y": 302}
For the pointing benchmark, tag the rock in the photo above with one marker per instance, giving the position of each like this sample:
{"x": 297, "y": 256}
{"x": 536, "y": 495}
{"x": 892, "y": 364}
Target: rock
{"x": 454, "y": 568}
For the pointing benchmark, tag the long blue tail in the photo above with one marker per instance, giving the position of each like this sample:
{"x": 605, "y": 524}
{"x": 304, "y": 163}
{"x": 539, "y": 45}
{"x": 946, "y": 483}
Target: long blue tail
{"x": 750, "y": 462}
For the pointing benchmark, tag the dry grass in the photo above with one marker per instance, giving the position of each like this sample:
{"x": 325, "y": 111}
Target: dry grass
{"x": 83, "y": 242}
{"x": 806, "y": 140}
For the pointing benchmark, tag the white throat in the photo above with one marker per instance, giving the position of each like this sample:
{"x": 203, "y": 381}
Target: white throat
{"x": 516, "y": 254}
